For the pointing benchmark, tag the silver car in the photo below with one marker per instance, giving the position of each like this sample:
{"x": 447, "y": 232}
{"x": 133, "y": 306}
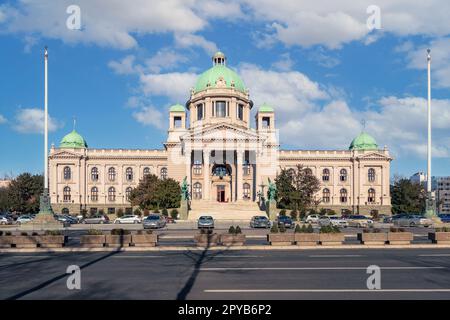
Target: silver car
{"x": 412, "y": 221}
{"x": 154, "y": 221}
{"x": 333, "y": 221}
{"x": 205, "y": 222}
{"x": 96, "y": 219}
{"x": 259, "y": 222}
{"x": 5, "y": 220}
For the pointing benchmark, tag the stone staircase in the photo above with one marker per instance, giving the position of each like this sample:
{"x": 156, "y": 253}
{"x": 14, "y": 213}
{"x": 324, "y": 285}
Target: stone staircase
{"x": 243, "y": 210}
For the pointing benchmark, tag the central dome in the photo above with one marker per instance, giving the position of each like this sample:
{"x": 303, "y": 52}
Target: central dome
{"x": 363, "y": 142}
{"x": 211, "y": 77}
{"x": 73, "y": 140}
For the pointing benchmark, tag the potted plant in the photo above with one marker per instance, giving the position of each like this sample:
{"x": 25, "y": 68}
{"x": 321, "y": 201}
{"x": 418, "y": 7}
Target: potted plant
{"x": 399, "y": 236}
{"x": 372, "y": 236}
{"x": 206, "y": 238}
{"x": 279, "y": 237}
{"x": 174, "y": 214}
{"x": 440, "y": 235}
{"x": 24, "y": 240}
{"x": 305, "y": 236}
{"x": 331, "y": 236}
{"x": 118, "y": 237}
{"x": 144, "y": 239}
{"x": 93, "y": 238}
{"x": 6, "y": 239}
{"x": 233, "y": 238}
{"x": 51, "y": 239}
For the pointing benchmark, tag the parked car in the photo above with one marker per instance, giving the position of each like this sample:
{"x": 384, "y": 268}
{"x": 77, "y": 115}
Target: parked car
{"x": 359, "y": 221}
{"x": 445, "y": 217}
{"x": 312, "y": 218}
{"x": 24, "y": 219}
{"x": 205, "y": 222}
{"x": 128, "y": 219}
{"x": 5, "y": 220}
{"x": 412, "y": 220}
{"x": 154, "y": 221}
{"x": 96, "y": 219}
{"x": 259, "y": 222}
{"x": 333, "y": 221}
{"x": 286, "y": 221}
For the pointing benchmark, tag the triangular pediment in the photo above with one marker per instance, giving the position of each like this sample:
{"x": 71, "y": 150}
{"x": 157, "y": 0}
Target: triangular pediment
{"x": 222, "y": 131}
{"x": 374, "y": 154}
{"x": 65, "y": 154}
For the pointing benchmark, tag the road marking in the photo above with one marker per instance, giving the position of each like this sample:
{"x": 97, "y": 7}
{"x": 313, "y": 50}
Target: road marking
{"x": 435, "y": 255}
{"x": 237, "y": 256}
{"x": 335, "y": 255}
{"x": 315, "y": 268}
{"x": 35, "y": 256}
{"x": 322, "y": 290}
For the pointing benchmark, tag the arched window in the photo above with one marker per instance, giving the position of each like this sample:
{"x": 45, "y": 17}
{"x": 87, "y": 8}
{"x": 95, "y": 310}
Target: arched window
{"x": 94, "y": 174}
{"x": 371, "y": 195}
{"x": 128, "y": 193}
{"x": 67, "y": 173}
{"x": 371, "y": 175}
{"x": 146, "y": 171}
{"x": 343, "y": 195}
{"x": 343, "y": 175}
{"x": 66, "y": 194}
{"x": 326, "y": 195}
{"x": 197, "y": 190}
{"x": 326, "y": 175}
{"x": 197, "y": 167}
{"x": 65, "y": 211}
{"x": 112, "y": 174}
{"x": 308, "y": 172}
{"x": 129, "y": 174}
{"x": 112, "y": 194}
{"x": 246, "y": 168}
{"x": 246, "y": 188}
{"x": 221, "y": 170}
{"x": 164, "y": 173}
{"x": 94, "y": 194}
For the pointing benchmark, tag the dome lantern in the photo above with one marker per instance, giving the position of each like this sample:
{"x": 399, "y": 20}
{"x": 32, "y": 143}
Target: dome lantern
{"x": 219, "y": 59}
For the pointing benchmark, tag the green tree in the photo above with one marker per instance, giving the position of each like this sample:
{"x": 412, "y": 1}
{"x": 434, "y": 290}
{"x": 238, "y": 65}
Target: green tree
{"x": 168, "y": 193}
{"x": 4, "y": 200}
{"x": 296, "y": 188}
{"x": 24, "y": 192}
{"x": 407, "y": 196}
{"x": 144, "y": 194}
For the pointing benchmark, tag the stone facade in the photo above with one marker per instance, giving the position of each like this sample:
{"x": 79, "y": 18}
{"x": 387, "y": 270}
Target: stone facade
{"x": 224, "y": 158}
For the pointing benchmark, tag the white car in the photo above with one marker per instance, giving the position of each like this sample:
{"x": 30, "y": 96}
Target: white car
{"x": 128, "y": 219}
{"x": 312, "y": 218}
{"x": 5, "y": 220}
{"x": 333, "y": 221}
{"x": 23, "y": 219}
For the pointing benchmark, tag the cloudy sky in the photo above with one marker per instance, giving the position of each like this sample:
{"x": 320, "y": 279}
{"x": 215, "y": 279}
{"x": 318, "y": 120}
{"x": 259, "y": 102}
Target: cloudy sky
{"x": 316, "y": 62}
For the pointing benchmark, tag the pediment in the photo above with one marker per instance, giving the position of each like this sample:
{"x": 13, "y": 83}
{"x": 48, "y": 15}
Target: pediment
{"x": 222, "y": 131}
{"x": 65, "y": 154}
{"x": 374, "y": 155}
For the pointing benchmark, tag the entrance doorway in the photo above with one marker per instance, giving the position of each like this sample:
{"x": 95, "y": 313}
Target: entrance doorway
{"x": 221, "y": 193}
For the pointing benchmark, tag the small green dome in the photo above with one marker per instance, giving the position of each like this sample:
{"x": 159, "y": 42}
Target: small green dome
{"x": 177, "y": 108}
{"x": 209, "y": 78}
{"x": 73, "y": 140}
{"x": 265, "y": 108}
{"x": 363, "y": 142}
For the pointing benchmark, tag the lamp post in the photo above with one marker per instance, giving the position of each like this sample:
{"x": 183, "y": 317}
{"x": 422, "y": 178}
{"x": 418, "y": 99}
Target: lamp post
{"x": 430, "y": 202}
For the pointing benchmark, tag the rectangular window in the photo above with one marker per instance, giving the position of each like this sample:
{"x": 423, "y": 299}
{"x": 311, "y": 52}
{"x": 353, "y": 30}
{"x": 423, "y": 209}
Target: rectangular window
{"x": 240, "y": 112}
{"x": 111, "y": 210}
{"x": 200, "y": 111}
{"x": 220, "y": 107}
{"x": 177, "y": 122}
{"x": 266, "y": 122}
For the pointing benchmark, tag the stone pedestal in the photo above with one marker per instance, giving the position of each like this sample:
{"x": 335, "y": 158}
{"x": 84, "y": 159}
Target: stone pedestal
{"x": 44, "y": 219}
{"x": 184, "y": 210}
{"x": 272, "y": 209}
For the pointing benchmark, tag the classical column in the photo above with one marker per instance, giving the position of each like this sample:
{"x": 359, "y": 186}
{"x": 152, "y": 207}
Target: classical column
{"x": 188, "y": 170}
{"x": 206, "y": 182}
{"x": 239, "y": 175}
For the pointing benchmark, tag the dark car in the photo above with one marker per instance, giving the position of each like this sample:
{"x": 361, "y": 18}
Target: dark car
{"x": 286, "y": 221}
{"x": 260, "y": 222}
{"x": 444, "y": 217}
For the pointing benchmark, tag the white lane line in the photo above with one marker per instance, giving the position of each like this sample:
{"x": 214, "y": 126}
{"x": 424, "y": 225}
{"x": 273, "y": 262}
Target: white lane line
{"x": 322, "y": 290}
{"x": 435, "y": 255}
{"x": 36, "y": 256}
{"x": 243, "y": 256}
{"x": 315, "y": 268}
{"x": 335, "y": 255}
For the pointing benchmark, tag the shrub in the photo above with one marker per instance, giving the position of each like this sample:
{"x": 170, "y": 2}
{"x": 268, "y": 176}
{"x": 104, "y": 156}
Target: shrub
{"x": 329, "y": 229}
{"x": 174, "y": 214}
{"x": 323, "y": 211}
{"x": 371, "y": 230}
{"x": 309, "y": 228}
{"x": 101, "y": 212}
{"x": 34, "y": 234}
{"x": 156, "y": 210}
{"x": 53, "y": 233}
{"x": 331, "y": 212}
{"x": 274, "y": 228}
{"x": 94, "y": 232}
{"x": 282, "y": 212}
{"x": 231, "y": 230}
{"x": 119, "y": 213}
{"x": 119, "y": 232}
{"x": 396, "y": 229}
{"x": 294, "y": 214}
{"x": 298, "y": 229}
{"x": 282, "y": 228}
{"x": 238, "y": 230}
{"x": 164, "y": 212}
{"x": 23, "y": 234}
{"x": 443, "y": 229}
{"x": 8, "y": 233}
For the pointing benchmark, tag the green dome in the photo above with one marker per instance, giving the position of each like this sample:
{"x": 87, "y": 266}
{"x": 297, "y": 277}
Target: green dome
{"x": 363, "y": 142}
{"x": 73, "y": 140}
{"x": 265, "y": 108}
{"x": 177, "y": 108}
{"x": 219, "y": 70}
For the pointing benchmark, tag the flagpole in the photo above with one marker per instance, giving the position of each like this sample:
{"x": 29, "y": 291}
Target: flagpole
{"x": 430, "y": 203}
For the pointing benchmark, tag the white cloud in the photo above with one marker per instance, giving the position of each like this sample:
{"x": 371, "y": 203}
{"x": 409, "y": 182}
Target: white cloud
{"x": 2, "y": 119}
{"x": 126, "y": 66}
{"x": 285, "y": 63}
{"x": 151, "y": 116}
{"x": 165, "y": 59}
{"x": 185, "y": 40}
{"x": 322, "y": 59}
{"x": 175, "y": 85}
{"x": 32, "y": 121}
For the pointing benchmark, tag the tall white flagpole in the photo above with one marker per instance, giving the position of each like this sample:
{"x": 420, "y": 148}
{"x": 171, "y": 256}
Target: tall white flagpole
{"x": 430, "y": 206}
{"x": 46, "y": 122}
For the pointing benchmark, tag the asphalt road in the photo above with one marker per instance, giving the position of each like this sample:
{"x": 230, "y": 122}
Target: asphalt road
{"x": 311, "y": 274}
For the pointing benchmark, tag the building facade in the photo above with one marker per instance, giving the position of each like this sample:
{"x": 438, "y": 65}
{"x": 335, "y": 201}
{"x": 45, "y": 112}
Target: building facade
{"x": 226, "y": 161}
{"x": 443, "y": 194}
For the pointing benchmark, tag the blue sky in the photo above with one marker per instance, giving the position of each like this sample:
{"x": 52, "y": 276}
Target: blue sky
{"x": 318, "y": 64}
